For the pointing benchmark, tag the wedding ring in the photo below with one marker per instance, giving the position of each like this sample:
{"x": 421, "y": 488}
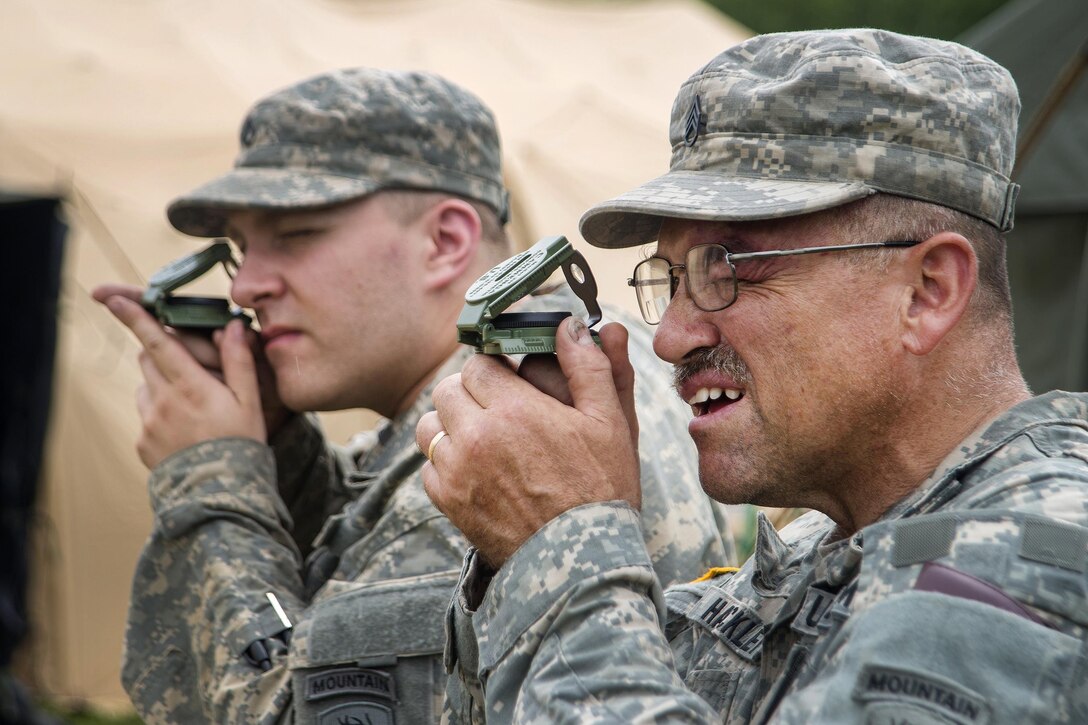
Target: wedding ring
{"x": 434, "y": 442}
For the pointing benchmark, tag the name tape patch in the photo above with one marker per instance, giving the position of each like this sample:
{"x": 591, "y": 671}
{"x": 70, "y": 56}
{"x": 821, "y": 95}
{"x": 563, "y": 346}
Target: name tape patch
{"x": 733, "y": 623}
{"x": 349, "y": 680}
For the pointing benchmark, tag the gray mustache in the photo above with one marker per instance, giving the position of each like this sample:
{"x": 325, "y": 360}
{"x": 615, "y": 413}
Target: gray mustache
{"x": 721, "y": 359}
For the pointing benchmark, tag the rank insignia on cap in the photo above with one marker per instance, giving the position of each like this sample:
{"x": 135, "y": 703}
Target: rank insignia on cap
{"x": 693, "y": 123}
{"x": 249, "y": 130}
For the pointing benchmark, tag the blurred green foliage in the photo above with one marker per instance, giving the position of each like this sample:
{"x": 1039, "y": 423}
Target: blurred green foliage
{"x": 934, "y": 18}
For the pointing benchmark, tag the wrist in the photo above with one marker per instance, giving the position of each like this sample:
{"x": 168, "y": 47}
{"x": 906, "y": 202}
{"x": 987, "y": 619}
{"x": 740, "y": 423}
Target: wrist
{"x": 216, "y": 479}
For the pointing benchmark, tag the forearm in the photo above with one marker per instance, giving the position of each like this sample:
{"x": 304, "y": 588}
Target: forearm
{"x": 199, "y": 599}
{"x": 576, "y": 636}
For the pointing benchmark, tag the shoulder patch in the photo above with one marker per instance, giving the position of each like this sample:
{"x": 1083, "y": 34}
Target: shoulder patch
{"x": 349, "y": 680}
{"x": 357, "y": 713}
{"x": 900, "y": 713}
{"x": 894, "y": 685}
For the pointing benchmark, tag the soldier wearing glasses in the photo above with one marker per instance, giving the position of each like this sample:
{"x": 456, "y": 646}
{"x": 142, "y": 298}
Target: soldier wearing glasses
{"x": 829, "y": 283}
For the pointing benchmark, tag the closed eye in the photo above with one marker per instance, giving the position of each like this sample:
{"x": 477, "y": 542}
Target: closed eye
{"x": 298, "y": 233}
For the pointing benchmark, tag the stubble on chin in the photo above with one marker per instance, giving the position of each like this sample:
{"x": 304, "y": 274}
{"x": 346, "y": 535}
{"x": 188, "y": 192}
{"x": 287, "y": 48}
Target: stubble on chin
{"x": 725, "y": 466}
{"x": 734, "y": 473}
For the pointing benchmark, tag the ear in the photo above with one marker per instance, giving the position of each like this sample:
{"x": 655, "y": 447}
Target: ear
{"x": 454, "y": 229}
{"x": 943, "y": 272}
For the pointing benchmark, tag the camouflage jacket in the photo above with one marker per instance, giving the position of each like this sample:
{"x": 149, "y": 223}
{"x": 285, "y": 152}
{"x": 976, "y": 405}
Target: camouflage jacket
{"x": 965, "y": 603}
{"x": 368, "y": 603}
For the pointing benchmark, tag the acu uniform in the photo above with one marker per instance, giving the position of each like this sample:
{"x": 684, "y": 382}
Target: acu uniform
{"x": 368, "y": 607}
{"x": 965, "y": 603}
{"x": 235, "y": 520}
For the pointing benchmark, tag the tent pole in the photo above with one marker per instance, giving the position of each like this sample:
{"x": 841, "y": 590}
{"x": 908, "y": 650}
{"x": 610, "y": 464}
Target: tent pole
{"x": 1051, "y": 103}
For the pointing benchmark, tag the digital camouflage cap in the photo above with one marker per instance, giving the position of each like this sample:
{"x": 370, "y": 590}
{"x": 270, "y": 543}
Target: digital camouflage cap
{"x": 348, "y": 133}
{"x": 792, "y": 123}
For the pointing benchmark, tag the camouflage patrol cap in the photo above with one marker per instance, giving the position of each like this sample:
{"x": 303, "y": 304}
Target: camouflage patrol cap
{"x": 345, "y": 134}
{"x": 791, "y": 123}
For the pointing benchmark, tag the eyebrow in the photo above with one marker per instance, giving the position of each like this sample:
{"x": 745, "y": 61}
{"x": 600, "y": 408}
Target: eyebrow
{"x": 736, "y": 245}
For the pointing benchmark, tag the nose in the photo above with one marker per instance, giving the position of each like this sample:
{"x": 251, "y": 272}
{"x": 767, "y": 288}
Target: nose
{"x": 257, "y": 280}
{"x": 684, "y": 328}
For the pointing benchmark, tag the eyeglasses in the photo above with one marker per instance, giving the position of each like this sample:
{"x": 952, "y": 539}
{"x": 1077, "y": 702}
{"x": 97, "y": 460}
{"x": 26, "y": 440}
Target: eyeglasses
{"x": 712, "y": 277}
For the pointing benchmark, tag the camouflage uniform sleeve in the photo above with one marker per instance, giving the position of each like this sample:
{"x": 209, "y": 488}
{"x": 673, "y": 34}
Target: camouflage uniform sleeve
{"x": 979, "y": 615}
{"x": 220, "y": 542}
{"x": 310, "y": 476}
{"x": 570, "y": 628}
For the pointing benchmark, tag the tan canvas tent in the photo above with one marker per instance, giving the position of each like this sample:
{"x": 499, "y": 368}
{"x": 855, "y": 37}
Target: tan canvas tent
{"x": 118, "y": 105}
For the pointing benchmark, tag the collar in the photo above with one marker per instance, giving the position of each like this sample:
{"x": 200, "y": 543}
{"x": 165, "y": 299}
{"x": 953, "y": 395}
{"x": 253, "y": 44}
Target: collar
{"x": 1053, "y": 408}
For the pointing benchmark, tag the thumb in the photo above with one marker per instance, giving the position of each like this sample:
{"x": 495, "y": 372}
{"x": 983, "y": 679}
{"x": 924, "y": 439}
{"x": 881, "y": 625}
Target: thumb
{"x": 588, "y": 371}
{"x": 239, "y": 367}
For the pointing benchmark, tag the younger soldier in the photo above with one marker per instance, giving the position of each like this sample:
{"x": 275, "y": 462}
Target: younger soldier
{"x": 364, "y": 203}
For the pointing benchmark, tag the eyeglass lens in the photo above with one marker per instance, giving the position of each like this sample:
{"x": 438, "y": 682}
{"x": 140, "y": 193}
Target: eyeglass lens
{"x": 710, "y": 277}
{"x": 653, "y": 287}
{"x": 710, "y": 281}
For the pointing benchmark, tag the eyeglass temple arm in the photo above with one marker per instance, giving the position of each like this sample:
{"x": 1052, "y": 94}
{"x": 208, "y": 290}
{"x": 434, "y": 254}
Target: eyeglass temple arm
{"x": 632, "y": 282}
{"x": 814, "y": 250}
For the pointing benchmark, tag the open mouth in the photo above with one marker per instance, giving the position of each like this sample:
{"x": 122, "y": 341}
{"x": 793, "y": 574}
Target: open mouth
{"x": 708, "y": 400}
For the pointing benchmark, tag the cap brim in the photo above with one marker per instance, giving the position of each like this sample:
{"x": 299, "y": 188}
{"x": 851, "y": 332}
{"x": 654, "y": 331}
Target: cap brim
{"x": 635, "y": 217}
{"x": 203, "y": 211}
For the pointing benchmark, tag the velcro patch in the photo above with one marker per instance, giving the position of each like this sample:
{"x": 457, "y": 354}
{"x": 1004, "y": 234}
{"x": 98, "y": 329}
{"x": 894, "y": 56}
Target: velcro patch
{"x": 349, "y": 681}
{"x": 878, "y": 683}
{"x": 922, "y": 539}
{"x": 1055, "y": 542}
{"x": 732, "y": 622}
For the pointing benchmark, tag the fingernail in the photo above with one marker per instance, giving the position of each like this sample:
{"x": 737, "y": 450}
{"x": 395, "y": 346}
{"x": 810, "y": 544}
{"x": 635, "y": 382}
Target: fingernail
{"x": 577, "y": 331}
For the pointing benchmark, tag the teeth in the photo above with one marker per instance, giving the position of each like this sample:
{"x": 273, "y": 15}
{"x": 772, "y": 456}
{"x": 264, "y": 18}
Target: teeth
{"x": 704, "y": 394}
